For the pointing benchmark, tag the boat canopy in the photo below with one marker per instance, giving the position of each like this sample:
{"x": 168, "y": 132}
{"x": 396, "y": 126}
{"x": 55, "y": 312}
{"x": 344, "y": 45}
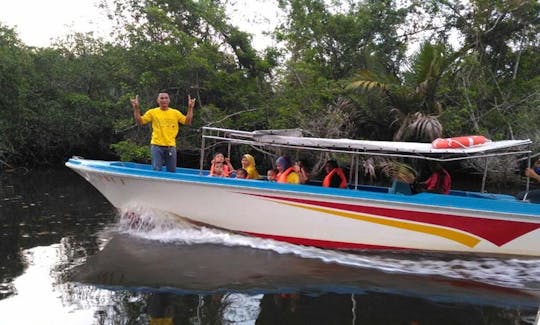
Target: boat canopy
{"x": 294, "y": 138}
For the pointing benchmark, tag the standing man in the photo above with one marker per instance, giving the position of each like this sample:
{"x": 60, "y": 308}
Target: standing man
{"x": 164, "y": 121}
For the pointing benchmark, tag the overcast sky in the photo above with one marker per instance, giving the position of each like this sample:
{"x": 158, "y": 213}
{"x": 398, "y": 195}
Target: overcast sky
{"x": 37, "y": 22}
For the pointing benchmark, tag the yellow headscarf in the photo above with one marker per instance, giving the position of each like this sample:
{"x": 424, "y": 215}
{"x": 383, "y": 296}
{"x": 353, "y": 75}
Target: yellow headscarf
{"x": 251, "y": 169}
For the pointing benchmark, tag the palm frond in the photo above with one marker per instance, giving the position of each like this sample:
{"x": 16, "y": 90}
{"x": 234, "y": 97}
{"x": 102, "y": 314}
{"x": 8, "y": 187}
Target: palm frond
{"x": 398, "y": 171}
{"x": 427, "y": 64}
{"x": 368, "y": 80}
{"x": 368, "y": 85}
{"x": 419, "y": 127}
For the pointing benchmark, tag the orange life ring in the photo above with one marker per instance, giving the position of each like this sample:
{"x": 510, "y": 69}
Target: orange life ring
{"x": 459, "y": 142}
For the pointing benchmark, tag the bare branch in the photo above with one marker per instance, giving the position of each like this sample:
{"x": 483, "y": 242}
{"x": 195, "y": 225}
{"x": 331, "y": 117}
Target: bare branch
{"x": 231, "y": 115}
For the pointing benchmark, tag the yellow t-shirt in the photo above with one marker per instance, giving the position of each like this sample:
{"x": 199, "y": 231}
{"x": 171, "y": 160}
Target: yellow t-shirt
{"x": 293, "y": 178}
{"x": 164, "y": 125}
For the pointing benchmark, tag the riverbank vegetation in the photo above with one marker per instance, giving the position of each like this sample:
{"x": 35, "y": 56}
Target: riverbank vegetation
{"x": 365, "y": 70}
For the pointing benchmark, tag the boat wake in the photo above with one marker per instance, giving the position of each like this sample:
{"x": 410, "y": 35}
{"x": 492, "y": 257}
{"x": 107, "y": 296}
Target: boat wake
{"x": 520, "y": 273}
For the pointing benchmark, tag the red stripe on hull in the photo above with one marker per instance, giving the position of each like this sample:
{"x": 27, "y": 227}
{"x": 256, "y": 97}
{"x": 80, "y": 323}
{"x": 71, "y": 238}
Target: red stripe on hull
{"x": 324, "y": 243}
{"x": 499, "y": 232}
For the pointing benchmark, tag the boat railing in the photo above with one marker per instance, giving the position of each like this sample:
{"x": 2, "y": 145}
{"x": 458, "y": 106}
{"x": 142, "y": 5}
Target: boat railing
{"x": 294, "y": 139}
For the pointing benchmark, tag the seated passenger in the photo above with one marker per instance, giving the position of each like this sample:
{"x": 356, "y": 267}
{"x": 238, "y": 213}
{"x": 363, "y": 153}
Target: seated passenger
{"x": 303, "y": 174}
{"x": 286, "y": 172}
{"x": 241, "y": 173}
{"x": 532, "y": 195}
{"x": 271, "y": 175}
{"x": 220, "y": 158}
{"x": 439, "y": 181}
{"x": 218, "y": 170}
{"x": 534, "y": 172}
{"x": 335, "y": 177}
{"x": 248, "y": 163}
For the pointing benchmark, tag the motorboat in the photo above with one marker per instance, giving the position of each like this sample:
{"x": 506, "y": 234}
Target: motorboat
{"x": 360, "y": 216}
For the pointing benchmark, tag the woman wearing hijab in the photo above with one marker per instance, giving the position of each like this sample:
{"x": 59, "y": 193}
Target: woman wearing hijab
{"x": 286, "y": 172}
{"x": 248, "y": 163}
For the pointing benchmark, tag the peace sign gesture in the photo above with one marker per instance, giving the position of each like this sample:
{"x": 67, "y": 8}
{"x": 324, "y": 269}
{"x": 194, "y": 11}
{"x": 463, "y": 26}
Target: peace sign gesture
{"x": 191, "y": 102}
{"x": 135, "y": 102}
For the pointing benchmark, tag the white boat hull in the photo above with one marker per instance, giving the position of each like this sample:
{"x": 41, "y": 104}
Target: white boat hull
{"x": 322, "y": 217}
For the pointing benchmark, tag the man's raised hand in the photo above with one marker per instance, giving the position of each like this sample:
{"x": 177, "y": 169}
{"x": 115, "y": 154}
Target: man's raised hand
{"x": 191, "y": 102}
{"x": 135, "y": 102}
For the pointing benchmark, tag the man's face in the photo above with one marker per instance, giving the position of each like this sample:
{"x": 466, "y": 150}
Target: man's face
{"x": 163, "y": 100}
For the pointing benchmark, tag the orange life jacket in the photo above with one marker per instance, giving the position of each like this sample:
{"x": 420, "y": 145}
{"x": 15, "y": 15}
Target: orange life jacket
{"x": 226, "y": 171}
{"x": 282, "y": 177}
{"x": 328, "y": 178}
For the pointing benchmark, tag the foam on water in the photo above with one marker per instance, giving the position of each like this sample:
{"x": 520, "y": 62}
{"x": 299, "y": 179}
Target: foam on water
{"x": 507, "y": 272}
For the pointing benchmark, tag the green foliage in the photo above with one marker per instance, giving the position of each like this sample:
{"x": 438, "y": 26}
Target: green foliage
{"x": 398, "y": 171}
{"x": 340, "y": 70}
{"x": 413, "y": 97}
{"x": 14, "y": 83}
{"x": 490, "y": 87}
{"x": 369, "y": 81}
{"x": 130, "y": 151}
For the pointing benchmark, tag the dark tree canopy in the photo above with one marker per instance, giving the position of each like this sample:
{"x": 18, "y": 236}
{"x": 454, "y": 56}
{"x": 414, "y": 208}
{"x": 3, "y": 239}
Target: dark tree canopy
{"x": 369, "y": 69}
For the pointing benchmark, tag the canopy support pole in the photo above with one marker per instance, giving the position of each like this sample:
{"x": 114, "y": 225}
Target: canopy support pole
{"x": 528, "y": 178}
{"x": 484, "y": 177}
{"x": 354, "y": 169}
{"x": 201, "y": 160}
{"x": 229, "y": 144}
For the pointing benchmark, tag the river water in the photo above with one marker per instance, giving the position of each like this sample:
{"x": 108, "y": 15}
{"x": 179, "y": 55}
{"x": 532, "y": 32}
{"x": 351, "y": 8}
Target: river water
{"x": 68, "y": 258}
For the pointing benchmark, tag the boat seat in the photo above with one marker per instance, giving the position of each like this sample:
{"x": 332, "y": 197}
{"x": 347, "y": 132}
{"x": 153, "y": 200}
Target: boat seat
{"x": 399, "y": 187}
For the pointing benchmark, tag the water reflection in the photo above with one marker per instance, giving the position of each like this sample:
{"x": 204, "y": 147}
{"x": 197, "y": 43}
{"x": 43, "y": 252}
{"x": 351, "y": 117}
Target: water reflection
{"x": 41, "y": 208}
{"x": 138, "y": 263}
{"x": 238, "y": 284}
{"x": 136, "y": 280}
{"x": 66, "y": 260}
{"x": 39, "y": 299}
{"x": 238, "y": 308}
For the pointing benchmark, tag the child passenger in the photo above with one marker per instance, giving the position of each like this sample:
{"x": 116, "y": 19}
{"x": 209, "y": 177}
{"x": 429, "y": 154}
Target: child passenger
{"x": 241, "y": 173}
{"x": 219, "y": 158}
{"x": 271, "y": 175}
{"x": 218, "y": 170}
